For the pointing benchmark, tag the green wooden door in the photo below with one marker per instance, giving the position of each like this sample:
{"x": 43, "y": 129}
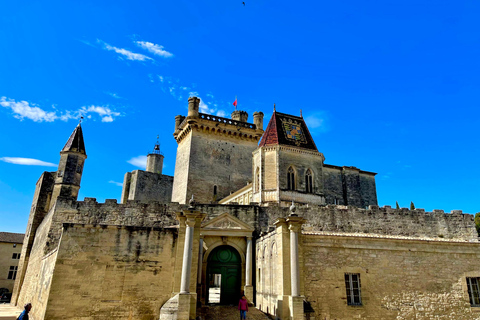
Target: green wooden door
{"x": 224, "y": 267}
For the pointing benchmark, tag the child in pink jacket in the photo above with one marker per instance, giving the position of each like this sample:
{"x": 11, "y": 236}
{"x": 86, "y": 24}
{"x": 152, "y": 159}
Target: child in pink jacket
{"x": 243, "y": 307}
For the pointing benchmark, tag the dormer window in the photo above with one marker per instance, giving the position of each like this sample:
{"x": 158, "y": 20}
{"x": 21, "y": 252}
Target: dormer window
{"x": 291, "y": 179}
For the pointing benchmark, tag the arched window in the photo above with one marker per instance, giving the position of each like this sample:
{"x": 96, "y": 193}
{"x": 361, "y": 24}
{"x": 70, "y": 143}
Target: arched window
{"x": 257, "y": 180}
{"x": 309, "y": 181}
{"x": 291, "y": 179}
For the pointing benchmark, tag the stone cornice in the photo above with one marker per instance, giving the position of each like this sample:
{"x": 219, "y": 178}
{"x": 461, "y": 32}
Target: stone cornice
{"x": 226, "y": 127}
{"x": 293, "y": 149}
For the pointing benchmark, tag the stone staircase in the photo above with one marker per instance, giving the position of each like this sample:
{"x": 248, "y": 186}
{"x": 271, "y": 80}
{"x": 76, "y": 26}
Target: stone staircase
{"x": 229, "y": 313}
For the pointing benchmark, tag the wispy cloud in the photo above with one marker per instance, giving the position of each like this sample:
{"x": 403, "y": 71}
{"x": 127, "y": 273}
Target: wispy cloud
{"x": 140, "y": 161}
{"x": 27, "y": 161}
{"x": 24, "y": 110}
{"x": 156, "y": 49}
{"x": 116, "y": 183}
{"x": 179, "y": 91}
{"x": 113, "y": 95}
{"x": 124, "y": 53}
{"x": 316, "y": 121}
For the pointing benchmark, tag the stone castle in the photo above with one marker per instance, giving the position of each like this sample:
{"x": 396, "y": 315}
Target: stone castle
{"x": 249, "y": 212}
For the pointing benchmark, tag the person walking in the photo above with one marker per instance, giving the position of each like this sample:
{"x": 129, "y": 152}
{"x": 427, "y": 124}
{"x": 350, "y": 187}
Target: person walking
{"x": 243, "y": 307}
{"x": 24, "y": 314}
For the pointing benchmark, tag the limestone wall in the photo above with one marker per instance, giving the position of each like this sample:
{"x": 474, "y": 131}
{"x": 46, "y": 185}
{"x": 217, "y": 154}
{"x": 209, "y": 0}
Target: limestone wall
{"x": 38, "y": 274}
{"x": 400, "y": 278}
{"x": 112, "y": 273}
{"x": 332, "y": 179}
{"x": 147, "y": 186}
{"x": 221, "y": 161}
{"x": 182, "y": 167}
{"x": 383, "y": 221}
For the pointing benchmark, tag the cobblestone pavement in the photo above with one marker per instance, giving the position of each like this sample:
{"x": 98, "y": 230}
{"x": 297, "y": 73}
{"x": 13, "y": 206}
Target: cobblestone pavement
{"x": 229, "y": 313}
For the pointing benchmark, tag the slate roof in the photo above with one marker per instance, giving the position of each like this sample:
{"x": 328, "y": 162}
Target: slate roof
{"x": 11, "y": 237}
{"x": 75, "y": 142}
{"x": 285, "y": 129}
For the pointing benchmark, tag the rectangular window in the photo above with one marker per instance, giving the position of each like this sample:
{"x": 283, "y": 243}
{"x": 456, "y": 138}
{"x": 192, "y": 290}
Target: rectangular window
{"x": 14, "y": 256}
{"x": 352, "y": 285}
{"x": 473, "y": 291}
{"x": 12, "y": 273}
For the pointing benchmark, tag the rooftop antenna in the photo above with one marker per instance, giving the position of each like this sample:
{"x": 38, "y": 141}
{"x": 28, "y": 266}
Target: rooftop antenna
{"x": 301, "y": 113}
{"x": 274, "y": 107}
{"x": 81, "y": 119}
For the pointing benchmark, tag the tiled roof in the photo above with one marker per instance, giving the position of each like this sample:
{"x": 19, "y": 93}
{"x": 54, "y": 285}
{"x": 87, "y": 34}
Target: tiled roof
{"x": 11, "y": 237}
{"x": 75, "y": 142}
{"x": 285, "y": 129}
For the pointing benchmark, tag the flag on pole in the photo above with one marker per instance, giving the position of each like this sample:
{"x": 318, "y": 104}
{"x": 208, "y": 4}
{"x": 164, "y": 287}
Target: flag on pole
{"x": 235, "y": 103}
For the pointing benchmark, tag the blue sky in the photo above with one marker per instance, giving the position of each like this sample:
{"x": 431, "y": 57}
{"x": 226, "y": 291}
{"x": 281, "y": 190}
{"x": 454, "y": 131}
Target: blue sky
{"x": 386, "y": 86}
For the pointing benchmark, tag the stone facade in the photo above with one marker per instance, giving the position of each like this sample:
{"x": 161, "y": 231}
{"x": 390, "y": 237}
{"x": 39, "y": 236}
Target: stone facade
{"x": 333, "y": 254}
{"x": 10, "y": 253}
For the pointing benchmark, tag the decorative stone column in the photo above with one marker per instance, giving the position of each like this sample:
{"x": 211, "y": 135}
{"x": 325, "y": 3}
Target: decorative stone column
{"x": 248, "y": 290}
{"x": 182, "y": 306}
{"x": 187, "y": 256}
{"x": 296, "y": 300}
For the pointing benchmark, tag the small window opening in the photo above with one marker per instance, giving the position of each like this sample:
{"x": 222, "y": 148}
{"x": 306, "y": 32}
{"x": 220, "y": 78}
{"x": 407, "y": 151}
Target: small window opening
{"x": 291, "y": 179}
{"x": 352, "y": 285}
{"x": 473, "y": 291}
{"x": 309, "y": 181}
{"x": 12, "y": 273}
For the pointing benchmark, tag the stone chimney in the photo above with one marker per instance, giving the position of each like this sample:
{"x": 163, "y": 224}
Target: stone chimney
{"x": 258, "y": 120}
{"x": 193, "y": 105}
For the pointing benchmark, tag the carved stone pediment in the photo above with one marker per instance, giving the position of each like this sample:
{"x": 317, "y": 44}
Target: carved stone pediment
{"x": 226, "y": 224}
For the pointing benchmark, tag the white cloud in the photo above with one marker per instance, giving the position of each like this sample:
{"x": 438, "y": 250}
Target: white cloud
{"x": 156, "y": 49}
{"x": 22, "y": 109}
{"x": 221, "y": 113}
{"x": 27, "y": 161}
{"x": 316, "y": 121}
{"x": 140, "y": 161}
{"x": 105, "y": 112}
{"x": 114, "y": 95}
{"x": 116, "y": 183}
{"x": 161, "y": 78}
{"x": 210, "y": 95}
{"x": 125, "y": 53}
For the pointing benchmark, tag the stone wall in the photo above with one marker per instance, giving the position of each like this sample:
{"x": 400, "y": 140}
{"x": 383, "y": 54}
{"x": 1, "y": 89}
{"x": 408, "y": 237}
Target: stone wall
{"x": 107, "y": 272}
{"x": 182, "y": 167}
{"x": 40, "y": 205}
{"x": 35, "y": 287}
{"x": 147, "y": 186}
{"x": 400, "y": 278}
{"x": 221, "y": 161}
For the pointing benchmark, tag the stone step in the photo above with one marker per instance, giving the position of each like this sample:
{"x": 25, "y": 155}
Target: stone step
{"x": 229, "y": 313}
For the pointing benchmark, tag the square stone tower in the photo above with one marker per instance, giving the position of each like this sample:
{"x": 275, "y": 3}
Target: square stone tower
{"x": 214, "y": 154}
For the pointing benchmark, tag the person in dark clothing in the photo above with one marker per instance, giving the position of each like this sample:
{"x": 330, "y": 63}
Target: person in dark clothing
{"x": 24, "y": 314}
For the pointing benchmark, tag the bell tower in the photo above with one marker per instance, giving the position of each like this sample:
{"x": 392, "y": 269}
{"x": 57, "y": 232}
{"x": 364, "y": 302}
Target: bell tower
{"x": 70, "y": 168}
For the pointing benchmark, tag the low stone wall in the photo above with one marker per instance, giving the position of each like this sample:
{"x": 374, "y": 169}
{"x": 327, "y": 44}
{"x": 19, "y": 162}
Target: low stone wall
{"x": 400, "y": 278}
{"x": 105, "y": 272}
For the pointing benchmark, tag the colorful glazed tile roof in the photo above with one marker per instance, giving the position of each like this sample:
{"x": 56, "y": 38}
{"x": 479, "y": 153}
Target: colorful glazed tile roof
{"x": 285, "y": 129}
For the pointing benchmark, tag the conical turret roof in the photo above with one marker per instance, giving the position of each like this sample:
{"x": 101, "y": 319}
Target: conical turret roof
{"x": 75, "y": 142}
{"x": 285, "y": 129}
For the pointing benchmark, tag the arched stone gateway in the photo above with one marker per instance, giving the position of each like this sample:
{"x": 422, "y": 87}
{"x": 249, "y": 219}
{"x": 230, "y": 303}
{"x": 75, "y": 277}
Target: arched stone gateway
{"x": 224, "y": 275}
